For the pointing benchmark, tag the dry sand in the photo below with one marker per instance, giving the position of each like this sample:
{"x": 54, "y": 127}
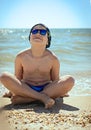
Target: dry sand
{"x": 68, "y": 113}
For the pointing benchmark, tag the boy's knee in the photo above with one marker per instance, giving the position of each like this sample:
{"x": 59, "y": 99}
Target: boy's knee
{"x": 68, "y": 81}
{"x": 71, "y": 80}
{"x": 4, "y": 76}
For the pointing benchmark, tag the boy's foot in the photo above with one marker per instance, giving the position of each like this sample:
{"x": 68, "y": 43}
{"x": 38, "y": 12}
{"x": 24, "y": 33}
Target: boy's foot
{"x": 8, "y": 95}
{"x": 49, "y": 102}
{"x": 20, "y": 100}
{"x": 65, "y": 95}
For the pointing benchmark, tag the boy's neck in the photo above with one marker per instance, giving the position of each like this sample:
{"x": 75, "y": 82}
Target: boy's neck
{"x": 37, "y": 52}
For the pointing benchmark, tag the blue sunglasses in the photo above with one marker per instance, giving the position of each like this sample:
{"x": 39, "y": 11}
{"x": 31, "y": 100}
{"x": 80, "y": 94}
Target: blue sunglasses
{"x": 41, "y": 31}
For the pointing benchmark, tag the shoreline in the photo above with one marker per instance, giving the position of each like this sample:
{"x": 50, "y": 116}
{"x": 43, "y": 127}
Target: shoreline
{"x": 68, "y": 113}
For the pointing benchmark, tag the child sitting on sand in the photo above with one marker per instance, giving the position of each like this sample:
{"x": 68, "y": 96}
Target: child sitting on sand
{"x": 37, "y": 72}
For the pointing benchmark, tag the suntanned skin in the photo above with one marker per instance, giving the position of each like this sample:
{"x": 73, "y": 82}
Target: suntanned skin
{"x": 37, "y": 71}
{"x": 37, "y": 66}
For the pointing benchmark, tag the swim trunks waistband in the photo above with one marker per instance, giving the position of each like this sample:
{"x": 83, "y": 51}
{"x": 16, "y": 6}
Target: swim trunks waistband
{"x": 37, "y": 88}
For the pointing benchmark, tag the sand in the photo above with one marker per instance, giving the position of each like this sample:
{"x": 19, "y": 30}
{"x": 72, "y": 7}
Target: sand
{"x": 68, "y": 113}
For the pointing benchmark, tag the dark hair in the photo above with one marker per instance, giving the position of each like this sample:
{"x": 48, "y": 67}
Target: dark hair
{"x": 48, "y": 33}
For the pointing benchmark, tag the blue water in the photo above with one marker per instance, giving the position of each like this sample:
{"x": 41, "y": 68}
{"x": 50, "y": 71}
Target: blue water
{"x": 72, "y": 46}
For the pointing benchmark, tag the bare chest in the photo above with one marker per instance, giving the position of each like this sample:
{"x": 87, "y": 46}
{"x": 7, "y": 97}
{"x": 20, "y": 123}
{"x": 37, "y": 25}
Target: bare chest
{"x": 43, "y": 65}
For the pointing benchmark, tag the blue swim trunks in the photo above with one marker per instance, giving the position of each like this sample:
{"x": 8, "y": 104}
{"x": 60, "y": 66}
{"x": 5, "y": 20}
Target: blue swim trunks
{"x": 37, "y": 88}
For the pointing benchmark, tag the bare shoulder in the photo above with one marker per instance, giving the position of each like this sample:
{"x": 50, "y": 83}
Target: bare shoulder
{"x": 22, "y": 54}
{"x": 54, "y": 59}
{"x": 53, "y": 56}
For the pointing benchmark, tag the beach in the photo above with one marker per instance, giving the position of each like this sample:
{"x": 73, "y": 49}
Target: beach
{"x": 68, "y": 113}
{"x": 73, "y": 48}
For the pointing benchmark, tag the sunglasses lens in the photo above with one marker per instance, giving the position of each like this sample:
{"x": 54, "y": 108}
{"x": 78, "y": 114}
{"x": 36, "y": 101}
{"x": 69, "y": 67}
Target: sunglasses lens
{"x": 34, "y": 31}
{"x": 43, "y": 32}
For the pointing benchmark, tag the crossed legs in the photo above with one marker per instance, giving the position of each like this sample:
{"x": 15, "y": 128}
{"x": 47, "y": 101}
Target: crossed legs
{"x": 22, "y": 93}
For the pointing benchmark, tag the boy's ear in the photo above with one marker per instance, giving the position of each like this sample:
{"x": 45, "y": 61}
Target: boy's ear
{"x": 29, "y": 37}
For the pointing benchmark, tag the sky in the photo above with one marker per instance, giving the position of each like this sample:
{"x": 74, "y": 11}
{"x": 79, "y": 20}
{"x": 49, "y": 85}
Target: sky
{"x": 52, "y": 13}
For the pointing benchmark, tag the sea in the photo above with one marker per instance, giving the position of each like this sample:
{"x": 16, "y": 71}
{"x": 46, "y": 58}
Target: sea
{"x": 72, "y": 47}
